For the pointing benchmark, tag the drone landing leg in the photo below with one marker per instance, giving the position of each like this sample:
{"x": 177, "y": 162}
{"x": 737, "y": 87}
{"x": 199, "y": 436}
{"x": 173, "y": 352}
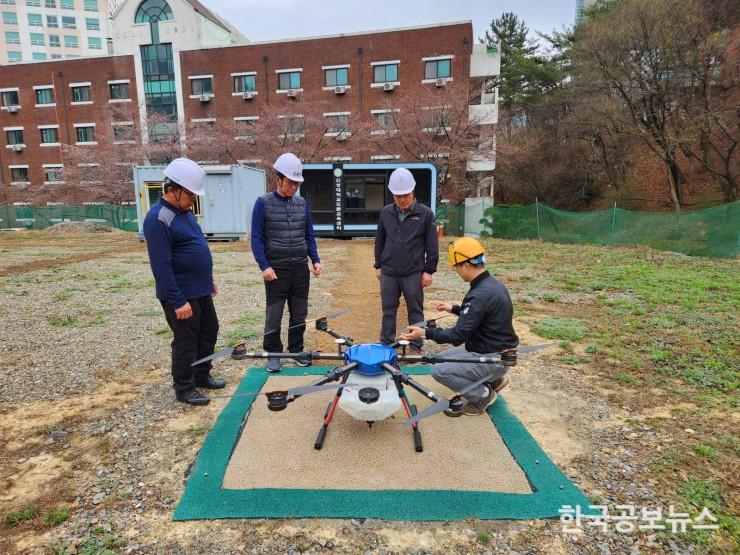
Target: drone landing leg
{"x": 411, "y": 411}
{"x": 327, "y": 420}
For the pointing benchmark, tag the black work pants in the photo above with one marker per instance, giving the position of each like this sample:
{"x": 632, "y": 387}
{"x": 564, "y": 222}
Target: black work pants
{"x": 292, "y": 286}
{"x": 391, "y": 289}
{"x": 194, "y": 338}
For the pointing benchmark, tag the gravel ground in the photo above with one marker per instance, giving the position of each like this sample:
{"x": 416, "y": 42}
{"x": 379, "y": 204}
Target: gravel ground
{"x": 89, "y": 420}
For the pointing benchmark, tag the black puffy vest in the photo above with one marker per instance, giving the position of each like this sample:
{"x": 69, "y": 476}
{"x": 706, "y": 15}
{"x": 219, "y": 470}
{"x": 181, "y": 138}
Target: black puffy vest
{"x": 285, "y": 231}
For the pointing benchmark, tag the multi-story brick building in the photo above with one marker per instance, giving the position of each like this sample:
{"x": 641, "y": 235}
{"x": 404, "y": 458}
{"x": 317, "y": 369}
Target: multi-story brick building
{"x": 96, "y": 103}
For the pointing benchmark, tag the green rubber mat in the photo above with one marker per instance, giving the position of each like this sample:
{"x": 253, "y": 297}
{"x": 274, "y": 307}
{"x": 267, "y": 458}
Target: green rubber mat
{"x": 205, "y": 497}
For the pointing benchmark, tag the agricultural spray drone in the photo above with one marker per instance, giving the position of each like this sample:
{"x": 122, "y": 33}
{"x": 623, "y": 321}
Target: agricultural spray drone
{"x": 370, "y": 384}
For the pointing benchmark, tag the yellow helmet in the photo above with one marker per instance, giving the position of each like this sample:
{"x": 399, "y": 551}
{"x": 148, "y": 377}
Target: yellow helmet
{"x": 466, "y": 249}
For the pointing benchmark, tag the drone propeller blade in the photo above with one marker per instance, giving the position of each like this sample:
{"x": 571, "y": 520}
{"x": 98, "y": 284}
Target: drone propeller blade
{"x": 218, "y": 354}
{"x": 472, "y": 386}
{"x": 439, "y": 406}
{"x": 532, "y": 348}
{"x": 335, "y": 314}
{"x": 306, "y": 389}
{"x": 423, "y": 324}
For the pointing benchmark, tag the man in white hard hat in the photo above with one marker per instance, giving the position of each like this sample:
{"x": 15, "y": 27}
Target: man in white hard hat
{"x": 406, "y": 254}
{"x": 283, "y": 240}
{"x": 183, "y": 274}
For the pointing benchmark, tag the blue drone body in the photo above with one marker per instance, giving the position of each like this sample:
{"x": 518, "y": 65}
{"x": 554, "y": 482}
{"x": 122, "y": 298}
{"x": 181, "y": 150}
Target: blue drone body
{"x": 370, "y": 358}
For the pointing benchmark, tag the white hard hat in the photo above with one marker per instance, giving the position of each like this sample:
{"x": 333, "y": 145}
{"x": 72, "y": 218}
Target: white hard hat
{"x": 401, "y": 182}
{"x": 290, "y": 166}
{"x": 187, "y": 174}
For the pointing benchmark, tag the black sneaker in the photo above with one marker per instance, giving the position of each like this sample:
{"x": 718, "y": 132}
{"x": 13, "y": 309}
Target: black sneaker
{"x": 211, "y": 383}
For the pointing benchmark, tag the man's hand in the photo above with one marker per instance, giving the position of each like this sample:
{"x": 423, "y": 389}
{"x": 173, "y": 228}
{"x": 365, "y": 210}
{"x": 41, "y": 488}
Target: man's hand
{"x": 445, "y": 307}
{"x": 184, "y": 312}
{"x": 317, "y": 269}
{"x": 214, "y": 292}
{"x": 377, "y": 273}
{"x": 426, "y": 280}
{"x": 269, "y": 275}
{"x": 412, "y": 334}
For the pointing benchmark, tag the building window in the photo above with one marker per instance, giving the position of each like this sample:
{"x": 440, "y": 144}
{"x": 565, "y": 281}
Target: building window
{"x": 14, "y": 56}
{"x": 50, "y": 3}
{"x": 10, "y": 18}
{"x": 38, "y": 56}
{"x": 35, "y": 20}
{"x": 94, "y": 43}
{"x": 85, "y": 134}
{"x": 91, "y": 5}
{"x": 81, "y": 94}
{"x": 92, "y": 24}
{"x": 14, "y": 137}
{"x": 201, "y": 85}
{"x": 37, "y": 39}
{"x": 52, "y": 21}
{"x": 244, "y": 83}
{"x": 70, "y": 41}
{"x": 7, "y": 2}
{"x": 49, "y": 135}
{"x": 245, "y": 127}
{"x": 12, "y": 37}
{"x": 151, "y": 10}
{"x": 337, "y": 123}
{"x": 45, "y": 96}
{"x": 119, "y": 91}
{"x": 385, "y": 120}
{"x": 10, "y": 98}
{"x": 54, "y": 41}
{"x": 19, "y": 174}
{"x": 56, "y": 56}
{"x": 67, "y": 4}
{"x": 437, "y": 69}
{"x": 335, "y": 77}
{"x": 33, "y": 3}
{"x": 53, "y": 174}
{"x": 123, "y": 133}
{"x": 289, "y": 80}
{"x": 292, "y": 126}
{"x": 69, "y": 22}
{"x": 386, "y": 73}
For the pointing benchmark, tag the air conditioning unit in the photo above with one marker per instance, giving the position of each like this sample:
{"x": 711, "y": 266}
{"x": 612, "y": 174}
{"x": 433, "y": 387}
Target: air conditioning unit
{"x": 293, "y": 93}
{"x": 205, "y": 97}
{"x": 340, "y": 89}
{"x": 17, "y": 148}
{"x": 248, "y": 95}
{"x": 13, "y": 109}
{"x": 440, "y": 82}
{"x": 389, "y": 86}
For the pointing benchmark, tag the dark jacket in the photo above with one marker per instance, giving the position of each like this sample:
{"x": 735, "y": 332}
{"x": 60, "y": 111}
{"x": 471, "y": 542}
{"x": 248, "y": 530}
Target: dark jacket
{"x": 485, "y": 319}
{"x": 178, "y": 253}
{"x": 406, "y": 247}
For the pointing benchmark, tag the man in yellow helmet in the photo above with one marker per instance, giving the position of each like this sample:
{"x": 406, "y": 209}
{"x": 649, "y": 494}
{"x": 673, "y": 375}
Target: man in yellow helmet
{"x": 484, "y": 327}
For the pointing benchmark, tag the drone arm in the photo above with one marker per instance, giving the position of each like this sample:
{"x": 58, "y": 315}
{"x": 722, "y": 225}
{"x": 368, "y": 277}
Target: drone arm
{"x": 306, "y": 355}
{"x": 406, "y": 380}
{"x": 434, "y": 359}
{"x": 347, "y": 340}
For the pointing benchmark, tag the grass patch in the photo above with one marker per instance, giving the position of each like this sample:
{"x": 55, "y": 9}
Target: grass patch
{"x": 561, "y": 328}
{"x": 63, "y": 295}
{"x": 57, "y": 517}
{"x": 627, "y": 379}
{"x": 236, "y": 335}
{"x": 62, "y": 320}
{"x": 14, "y": 518}
{"x": 163, "y": 331}
{"x": 483, "y": 538}
{"x": 705, "y": 450}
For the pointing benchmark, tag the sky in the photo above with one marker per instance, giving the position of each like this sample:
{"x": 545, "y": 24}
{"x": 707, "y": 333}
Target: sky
{"x": 262, "y": 20}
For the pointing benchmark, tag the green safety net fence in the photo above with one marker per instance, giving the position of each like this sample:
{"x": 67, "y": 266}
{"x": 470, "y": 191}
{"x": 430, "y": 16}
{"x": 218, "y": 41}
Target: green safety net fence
{"x": 28, "y": 217}
{"x": 713, "y": 232}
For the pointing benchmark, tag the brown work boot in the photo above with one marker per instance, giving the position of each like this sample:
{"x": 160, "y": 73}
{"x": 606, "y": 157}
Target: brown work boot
{"x": 499, "y": 384}
{"x": 474, "y": 408}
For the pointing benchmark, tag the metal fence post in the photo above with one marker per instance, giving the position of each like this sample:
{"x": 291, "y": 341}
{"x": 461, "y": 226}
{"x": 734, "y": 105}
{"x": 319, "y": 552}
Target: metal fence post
{"x": 537, "y": 209}
{"x": 614, "y": 215}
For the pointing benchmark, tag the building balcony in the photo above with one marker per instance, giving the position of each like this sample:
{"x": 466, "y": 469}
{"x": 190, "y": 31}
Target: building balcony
{"x": 484, "y": 61}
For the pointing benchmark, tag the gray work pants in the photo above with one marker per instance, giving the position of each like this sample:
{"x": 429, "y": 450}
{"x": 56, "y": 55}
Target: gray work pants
{"x": 457, "y": 375}
{"x": 391, "y": 289}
